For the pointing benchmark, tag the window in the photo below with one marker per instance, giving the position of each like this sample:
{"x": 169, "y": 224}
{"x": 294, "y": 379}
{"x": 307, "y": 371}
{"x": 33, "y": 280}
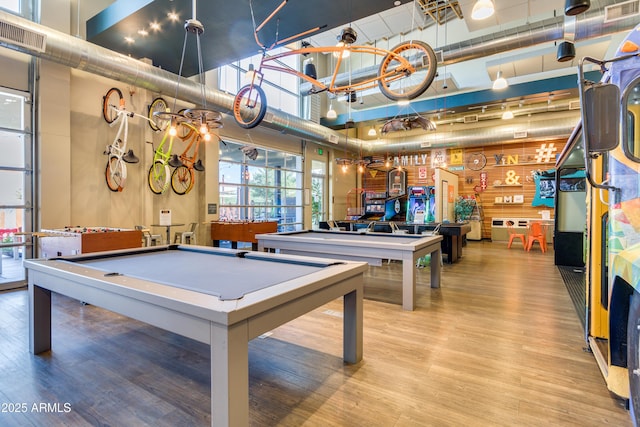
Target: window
{"x": 266, "y": 187}
{"x": 15, "y": 191}
{"x": 632, "y": 115}
{"x": 12, "y": 5}
{"x": 281, "y": 89}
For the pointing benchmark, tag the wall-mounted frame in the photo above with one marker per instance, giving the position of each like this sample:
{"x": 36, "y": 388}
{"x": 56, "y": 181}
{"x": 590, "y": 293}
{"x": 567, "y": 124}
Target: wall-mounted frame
{"x": 396, "y": 182}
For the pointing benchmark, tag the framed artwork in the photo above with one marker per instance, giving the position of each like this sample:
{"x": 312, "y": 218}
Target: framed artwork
{"x": 396, "y": 183}
{"x": 518, "y": 198}
{"x": 498, "y": 200}
{"x": 507, "y": 199}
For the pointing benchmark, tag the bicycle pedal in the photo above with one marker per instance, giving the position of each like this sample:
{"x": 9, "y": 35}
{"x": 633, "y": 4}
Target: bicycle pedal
{"x": 198, "y": 166}
{"x": 174, "y": 161}
{"x": 130, "y": 157}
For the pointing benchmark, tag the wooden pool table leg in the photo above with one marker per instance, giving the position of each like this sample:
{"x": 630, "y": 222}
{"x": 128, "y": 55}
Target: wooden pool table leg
{"x": 230, "y": 375}
{"x": 39, "y": 319}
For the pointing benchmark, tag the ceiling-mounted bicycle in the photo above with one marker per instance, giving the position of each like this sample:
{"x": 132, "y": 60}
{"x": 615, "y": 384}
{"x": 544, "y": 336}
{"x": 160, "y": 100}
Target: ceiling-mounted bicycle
{"x": 405, "y": 72}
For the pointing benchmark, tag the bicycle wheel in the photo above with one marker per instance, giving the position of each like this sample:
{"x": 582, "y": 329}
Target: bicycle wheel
{"x": 159, "y": 177}
{"x": 182, "y": 179}
{"x": 113, "y": 98}
{"x": 396, "y": 83}
{"x": 249, "y": 106}
{"x": 156, "y": 122}
{"x": 115, "y": 173}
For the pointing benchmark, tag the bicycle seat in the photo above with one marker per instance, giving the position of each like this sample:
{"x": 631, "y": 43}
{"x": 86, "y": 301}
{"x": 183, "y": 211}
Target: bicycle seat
{"x": 198, "y": 166}
{"x": 129, "y": 157}
{"x": 174, "y": 161}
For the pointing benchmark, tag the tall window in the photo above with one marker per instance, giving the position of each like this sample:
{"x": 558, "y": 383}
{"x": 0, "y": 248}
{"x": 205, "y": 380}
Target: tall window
{"x": 260, "y": 185}
{"x": 281, "y": 89}
{"x": 318, "y": 182}
{"x": 15, "y": 176}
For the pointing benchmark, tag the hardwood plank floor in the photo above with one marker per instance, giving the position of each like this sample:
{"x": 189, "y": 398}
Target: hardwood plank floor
{"x": 499, "y": 344}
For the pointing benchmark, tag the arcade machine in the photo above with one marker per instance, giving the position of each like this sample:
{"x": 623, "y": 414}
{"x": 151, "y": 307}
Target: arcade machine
{"x": 396, "y": 203}
{"x": 374, "y": 206}
{"x": 422, "y": 205}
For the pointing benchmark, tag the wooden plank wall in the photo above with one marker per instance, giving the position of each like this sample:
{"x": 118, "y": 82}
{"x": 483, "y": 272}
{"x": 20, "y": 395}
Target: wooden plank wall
{"x": 523, "y": 164}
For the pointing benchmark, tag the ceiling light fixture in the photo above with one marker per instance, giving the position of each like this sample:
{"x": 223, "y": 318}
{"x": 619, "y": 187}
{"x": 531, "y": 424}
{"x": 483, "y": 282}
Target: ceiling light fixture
{"x": 202, "y": 119}
{"x": 566, "y": 51}
{"x": 507, "y": 114}
{"x": 500, "y": 82}
{"x": 482, "y": 10}
{"x": 331, "y": 114}
{"x": 346, "y": 38}
{"x": 372, "y": 132}
{"x": 576, "y": 7}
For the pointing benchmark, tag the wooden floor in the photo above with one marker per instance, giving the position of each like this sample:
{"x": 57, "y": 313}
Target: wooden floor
{"x": 499, "y": 344}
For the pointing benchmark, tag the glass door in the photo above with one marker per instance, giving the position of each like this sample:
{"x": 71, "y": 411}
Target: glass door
{"x": 318, "y": 182}
{"x": 16, "y": 187}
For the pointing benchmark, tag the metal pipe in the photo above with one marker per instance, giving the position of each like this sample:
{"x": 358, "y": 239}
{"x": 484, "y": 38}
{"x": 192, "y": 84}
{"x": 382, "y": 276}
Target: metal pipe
{"x": 82, "y": 55}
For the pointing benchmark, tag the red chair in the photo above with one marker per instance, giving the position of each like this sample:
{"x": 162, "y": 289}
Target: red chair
{"x": 537, "y": 233}
{"x": 513, "y": 234}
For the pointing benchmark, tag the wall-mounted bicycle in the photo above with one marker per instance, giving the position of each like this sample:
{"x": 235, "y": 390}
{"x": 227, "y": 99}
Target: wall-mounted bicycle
{"x": 405, "y": 72}
{"x": 182, "y": 179}
{"x": 114, "y": 112}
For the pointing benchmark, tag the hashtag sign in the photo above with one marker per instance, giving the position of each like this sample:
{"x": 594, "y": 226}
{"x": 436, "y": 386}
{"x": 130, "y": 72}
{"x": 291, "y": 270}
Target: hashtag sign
{"x": 544, "y": 153}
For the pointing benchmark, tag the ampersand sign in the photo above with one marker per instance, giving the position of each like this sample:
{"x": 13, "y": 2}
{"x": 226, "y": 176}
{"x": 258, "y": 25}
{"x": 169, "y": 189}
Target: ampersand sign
{"x": 512, "y": 178}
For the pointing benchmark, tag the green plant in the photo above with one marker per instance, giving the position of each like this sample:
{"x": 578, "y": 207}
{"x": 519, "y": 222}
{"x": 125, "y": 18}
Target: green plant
{"x": 464, "y": 207}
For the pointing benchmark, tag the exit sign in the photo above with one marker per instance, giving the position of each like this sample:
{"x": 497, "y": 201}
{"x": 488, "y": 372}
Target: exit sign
{"x": 320, "y": 151}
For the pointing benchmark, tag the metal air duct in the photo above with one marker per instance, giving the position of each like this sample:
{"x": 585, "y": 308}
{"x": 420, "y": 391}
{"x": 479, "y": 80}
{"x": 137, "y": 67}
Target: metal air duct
{"x": 478, "y": 136}
{"x": 15, "y": 32}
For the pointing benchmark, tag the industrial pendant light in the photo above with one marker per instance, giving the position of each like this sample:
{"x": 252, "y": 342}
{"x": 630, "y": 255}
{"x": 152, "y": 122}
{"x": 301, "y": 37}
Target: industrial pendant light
{"x": 500, "y": 82}
{"x": 576, "y": 7}
{"x": 482, "y": 9}
{"x": 566, "y": 51}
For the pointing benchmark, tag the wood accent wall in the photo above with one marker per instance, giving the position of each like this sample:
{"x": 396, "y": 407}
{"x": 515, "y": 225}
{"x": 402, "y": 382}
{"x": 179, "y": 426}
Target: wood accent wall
{"x": 523, "y": 154}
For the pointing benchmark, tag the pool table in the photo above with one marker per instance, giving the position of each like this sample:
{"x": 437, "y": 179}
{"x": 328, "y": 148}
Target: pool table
{"x": 221, "y": 297}
{"x": 372, "y": 248}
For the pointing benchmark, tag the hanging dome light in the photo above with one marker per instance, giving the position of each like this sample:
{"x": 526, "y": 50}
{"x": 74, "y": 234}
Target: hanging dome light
{"x": 500, "y": 82}
{"x": 576, "y": 7}
{"x": 566, "y": 52}
{"x": 331, "y": 114}
{"x": 482, "y": 10}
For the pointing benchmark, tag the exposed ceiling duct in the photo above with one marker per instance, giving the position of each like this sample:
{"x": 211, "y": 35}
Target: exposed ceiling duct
{"x": 479, "y": 136}
{"x": 76, "y": 53}
{"x": 82, "y": 55}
